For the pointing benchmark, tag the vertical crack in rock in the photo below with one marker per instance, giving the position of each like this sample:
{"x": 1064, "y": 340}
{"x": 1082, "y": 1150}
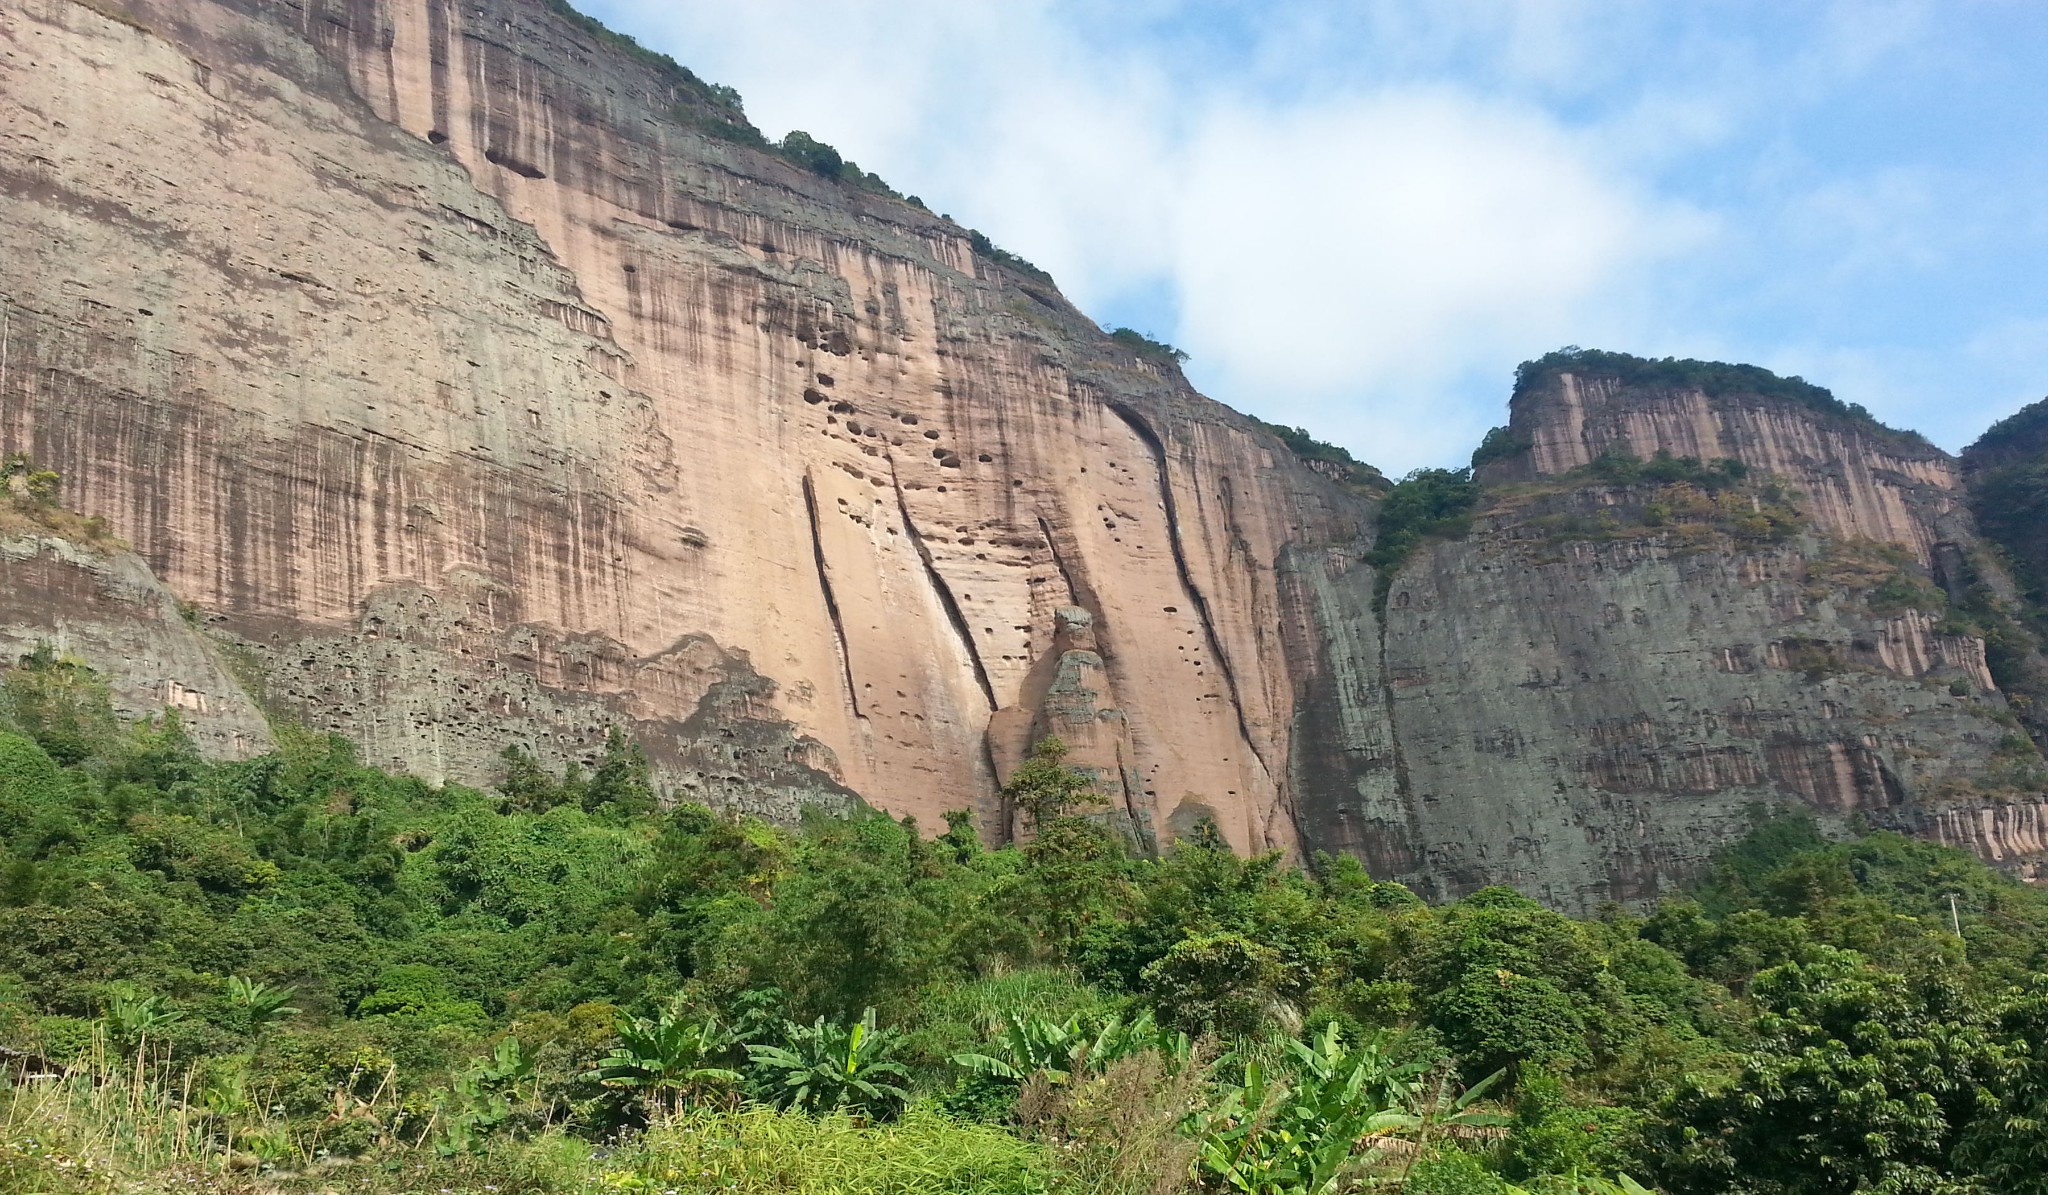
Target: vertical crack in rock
{"x": 954, "y": 614}
{"x": 1152, "y": 441}
{"x": 831, "y": 602}
{"x": 1079, "y": 591}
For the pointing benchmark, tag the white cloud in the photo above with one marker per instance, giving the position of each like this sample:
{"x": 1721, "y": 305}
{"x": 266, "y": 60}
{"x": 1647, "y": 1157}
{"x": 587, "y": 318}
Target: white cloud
{"x": 1349, "y": 212}
{"x": 1366, "y": 250}
{"x": 1330, "y": 258}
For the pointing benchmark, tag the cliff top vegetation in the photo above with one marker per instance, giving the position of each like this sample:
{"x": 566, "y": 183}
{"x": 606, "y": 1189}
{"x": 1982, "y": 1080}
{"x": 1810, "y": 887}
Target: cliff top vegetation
{"x": 1329, "y": 459}
{"x": 1715, "y": 379}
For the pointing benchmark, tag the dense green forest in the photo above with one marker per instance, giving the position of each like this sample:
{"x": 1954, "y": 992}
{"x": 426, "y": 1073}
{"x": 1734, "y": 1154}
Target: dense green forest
{"x": 296, "y": 972}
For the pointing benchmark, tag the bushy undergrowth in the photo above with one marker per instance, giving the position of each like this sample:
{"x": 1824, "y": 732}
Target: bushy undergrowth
{"x": 295, "y": 972}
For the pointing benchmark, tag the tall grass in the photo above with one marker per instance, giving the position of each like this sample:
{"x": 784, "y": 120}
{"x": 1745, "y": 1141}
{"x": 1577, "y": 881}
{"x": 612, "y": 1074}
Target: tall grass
{"x": 109, "y": 1123}
{"x": 101, "y": 1116}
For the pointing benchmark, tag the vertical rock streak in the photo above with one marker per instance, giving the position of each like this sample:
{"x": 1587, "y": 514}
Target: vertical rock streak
{"x": 824, "y": 576}
{"x": 1157, "y": 449}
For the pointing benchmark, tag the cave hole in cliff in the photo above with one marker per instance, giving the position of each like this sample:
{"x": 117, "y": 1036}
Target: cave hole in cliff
{"x": 824, "y": 379}
{"x": 681, "y": 225}
{"x": 523, "y": 169}
{"x": 931, "y": 433}
{"x": 984, "y": 458}
{"x": 436, "y": 137}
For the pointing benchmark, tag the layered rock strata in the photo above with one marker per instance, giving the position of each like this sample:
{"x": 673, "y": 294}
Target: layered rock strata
{"x": 445, "y": 359}
{"x": 1599, "y": 684}
{"x": 477, "y": 380}
{"x": 98, "y": 603}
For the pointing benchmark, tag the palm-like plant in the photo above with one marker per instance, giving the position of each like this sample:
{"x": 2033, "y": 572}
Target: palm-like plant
{"x": 670, "y": 1060}
{"x": 264, "y": 1004}
{"x": 133, "y": 1015}
{"x": 1061, "y": 1050}
{"x": 825, "y": 1067}
{"x": 1336, "y": 1110}
{"x": 485, "y": 1096}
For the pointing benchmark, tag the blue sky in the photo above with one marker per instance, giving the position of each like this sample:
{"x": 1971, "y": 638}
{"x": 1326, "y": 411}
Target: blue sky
{"x": 1359, "y": 215}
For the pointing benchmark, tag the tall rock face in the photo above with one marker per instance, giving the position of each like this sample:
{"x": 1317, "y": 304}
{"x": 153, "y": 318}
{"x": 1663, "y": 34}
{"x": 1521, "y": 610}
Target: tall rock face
{"x": 477, "y": 385}
{"x": 92, "y": 600}
{"x": 2007, "y": 475}
{"x": 1590, "y": 691}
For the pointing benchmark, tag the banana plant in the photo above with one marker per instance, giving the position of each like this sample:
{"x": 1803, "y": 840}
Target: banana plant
{"x": 263, "y": 1003}
{"x": 1333, "y": 1112}
{"x": 133, "y": 1015}
{"x": 826, "y": 1067}
{"x": 484, "y": 1097}
{"x": 670, "y": 1060}
{"x": 1061, "y": 1050}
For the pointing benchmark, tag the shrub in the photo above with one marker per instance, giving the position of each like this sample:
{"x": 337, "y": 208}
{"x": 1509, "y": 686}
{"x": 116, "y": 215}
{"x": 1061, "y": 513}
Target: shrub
{"x": 1148, "y": 347}
{"x": 759, "y": 1151}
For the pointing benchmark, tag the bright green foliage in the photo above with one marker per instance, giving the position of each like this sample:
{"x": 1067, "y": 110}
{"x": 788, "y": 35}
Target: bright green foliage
{"x": 59, "y": 703}
{"x": 1860, "y": 1080}
{"x": 2008, "y": 1144}
{"x": 823, "y": 1067}
{"x": 757, "y": 1151}
{"x": 20, "y": 477}
{"x": 1043, "y": 789}
{"x": 163, "y": 915}
{"x": 1511, "y": 983}
{"x": 1327, "y": 1117}
{"x": 133, "y": 1016}
{"x": 670, "y": 1061}
{"x": 1426, "y": 504}
{"x": 263, "y": 1004}
{"x": 485, "y": 1097}
{"x": 1221, "y": 983}
{"x": 1061, "y": 1050}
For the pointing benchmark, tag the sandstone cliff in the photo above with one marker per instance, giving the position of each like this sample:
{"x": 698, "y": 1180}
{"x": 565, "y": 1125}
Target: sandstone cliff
{"x": 97, "y": 602}
{"x": 465, "y": 371}
{"x": 1589, "y": 691}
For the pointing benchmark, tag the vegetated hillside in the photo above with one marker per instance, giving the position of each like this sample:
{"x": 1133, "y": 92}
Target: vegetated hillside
{"x": 2007, "y": 470}
{"x": 297, "y": 972}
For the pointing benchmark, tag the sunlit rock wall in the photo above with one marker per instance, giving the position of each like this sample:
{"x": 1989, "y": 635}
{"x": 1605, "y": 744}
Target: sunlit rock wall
{"x": 433, "y": 352}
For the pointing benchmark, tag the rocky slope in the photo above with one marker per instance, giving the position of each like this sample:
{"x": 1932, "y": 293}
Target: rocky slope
{"x": 1591, "y": 690}
{"x": 479, "y": 379}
